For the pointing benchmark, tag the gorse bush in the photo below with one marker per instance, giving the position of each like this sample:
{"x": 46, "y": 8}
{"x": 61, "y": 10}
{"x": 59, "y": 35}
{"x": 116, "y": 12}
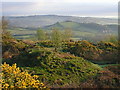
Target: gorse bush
{"x": 104, "y": 45}
{"x": 109, "y": 51}
{"x": 61, "y": 72}
{"x": 101, "y": 51}
{"x": 45, "y": 43}
{"x": 57, "y": 61}
{"x": 31, "y": 57}
{"x": 11, "y": 46}
{"x": 83, "y": 49}
{"x": 55, "y": 68}
{"x": 13, "y": 77}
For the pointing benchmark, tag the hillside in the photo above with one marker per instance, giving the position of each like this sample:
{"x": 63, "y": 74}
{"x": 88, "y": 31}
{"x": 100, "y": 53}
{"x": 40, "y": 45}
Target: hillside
{"x": 69, "y": 67}
{"x": 82, "y": 27}
{"x": 87, "y": 31}
{"x": 57, "y": 69}
{"x": 24, "y": 27}
{"x": 38, "y": 21}
{"x": 80, "y": 30}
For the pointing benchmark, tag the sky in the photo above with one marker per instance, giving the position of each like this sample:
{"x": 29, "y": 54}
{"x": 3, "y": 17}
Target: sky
{"x": 81, "y": 8}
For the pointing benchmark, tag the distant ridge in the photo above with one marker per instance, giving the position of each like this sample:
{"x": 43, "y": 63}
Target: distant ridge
{"x": 82, "y": 27}
{"x": 37, "y": 21}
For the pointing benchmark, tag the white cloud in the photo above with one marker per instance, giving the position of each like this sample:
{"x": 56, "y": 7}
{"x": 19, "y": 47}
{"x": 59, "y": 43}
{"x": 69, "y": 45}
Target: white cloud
{"x": 72, "y": 1}
{"x": 63, "y": 7}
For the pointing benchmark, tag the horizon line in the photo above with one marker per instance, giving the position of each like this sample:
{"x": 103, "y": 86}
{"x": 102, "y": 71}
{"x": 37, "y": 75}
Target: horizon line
{"x": 114, "y": 17}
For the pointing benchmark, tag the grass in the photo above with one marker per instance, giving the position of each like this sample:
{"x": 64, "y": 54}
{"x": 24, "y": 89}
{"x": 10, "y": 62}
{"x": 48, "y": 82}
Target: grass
{"x": 102, "y": 66}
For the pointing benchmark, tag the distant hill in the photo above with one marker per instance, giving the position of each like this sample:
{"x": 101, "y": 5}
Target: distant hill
{"x": 23, "y": 27}
{"x": 38, "y": 21}
{"x": 83, "y": 27}
{"x": 80, "y": 30}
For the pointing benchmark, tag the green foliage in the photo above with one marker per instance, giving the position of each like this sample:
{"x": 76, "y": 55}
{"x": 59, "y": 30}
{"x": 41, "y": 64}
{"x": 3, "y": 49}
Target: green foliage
{"x": 100, "y": 52}
{"x": 110, "y": 51}
{"x": 45, "y": 43}
{"x": 67, "y": 34}
{"x": 60, "y": 69}
{"x": 56, "y": 38}
{"x": 41, "y": 35}
{"x": 105, "y": 45}
{"x": 83, "y": 49}
{"x": 54, "y": 69}
{"x": 11, "y": 46}
{"x": 37, "y": 54}
{"x": 113, "y": 39}
{"x": 13, "y": 77}
{"x": 4, "y": 23}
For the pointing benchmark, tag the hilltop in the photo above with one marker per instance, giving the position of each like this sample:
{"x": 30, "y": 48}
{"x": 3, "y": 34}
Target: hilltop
{"x": 37, "y": 21}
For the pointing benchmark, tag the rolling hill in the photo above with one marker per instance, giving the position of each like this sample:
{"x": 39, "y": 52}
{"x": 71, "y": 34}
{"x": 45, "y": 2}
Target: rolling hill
{"x": 83, "y": 27}
{"x": 38, "y": 21}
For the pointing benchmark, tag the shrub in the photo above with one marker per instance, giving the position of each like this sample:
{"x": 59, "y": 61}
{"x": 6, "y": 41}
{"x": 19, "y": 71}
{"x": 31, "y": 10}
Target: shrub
{"x": 45, "y": 43}
{"x": 11, "y": 45}
{"x": 104, "y": 79}
{"x": 103, "y": 51}
{"x": 13, "y": 77}
{"x": 31, "y": 57}
{"x": 84, "y": 49}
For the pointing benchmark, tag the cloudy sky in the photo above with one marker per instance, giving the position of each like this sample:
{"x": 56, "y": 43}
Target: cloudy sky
{"x": 86, "y": 8}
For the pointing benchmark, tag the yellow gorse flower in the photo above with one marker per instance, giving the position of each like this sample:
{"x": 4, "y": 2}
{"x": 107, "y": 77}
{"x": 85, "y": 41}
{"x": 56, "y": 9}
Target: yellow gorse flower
{"x": 12, "y": 77}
